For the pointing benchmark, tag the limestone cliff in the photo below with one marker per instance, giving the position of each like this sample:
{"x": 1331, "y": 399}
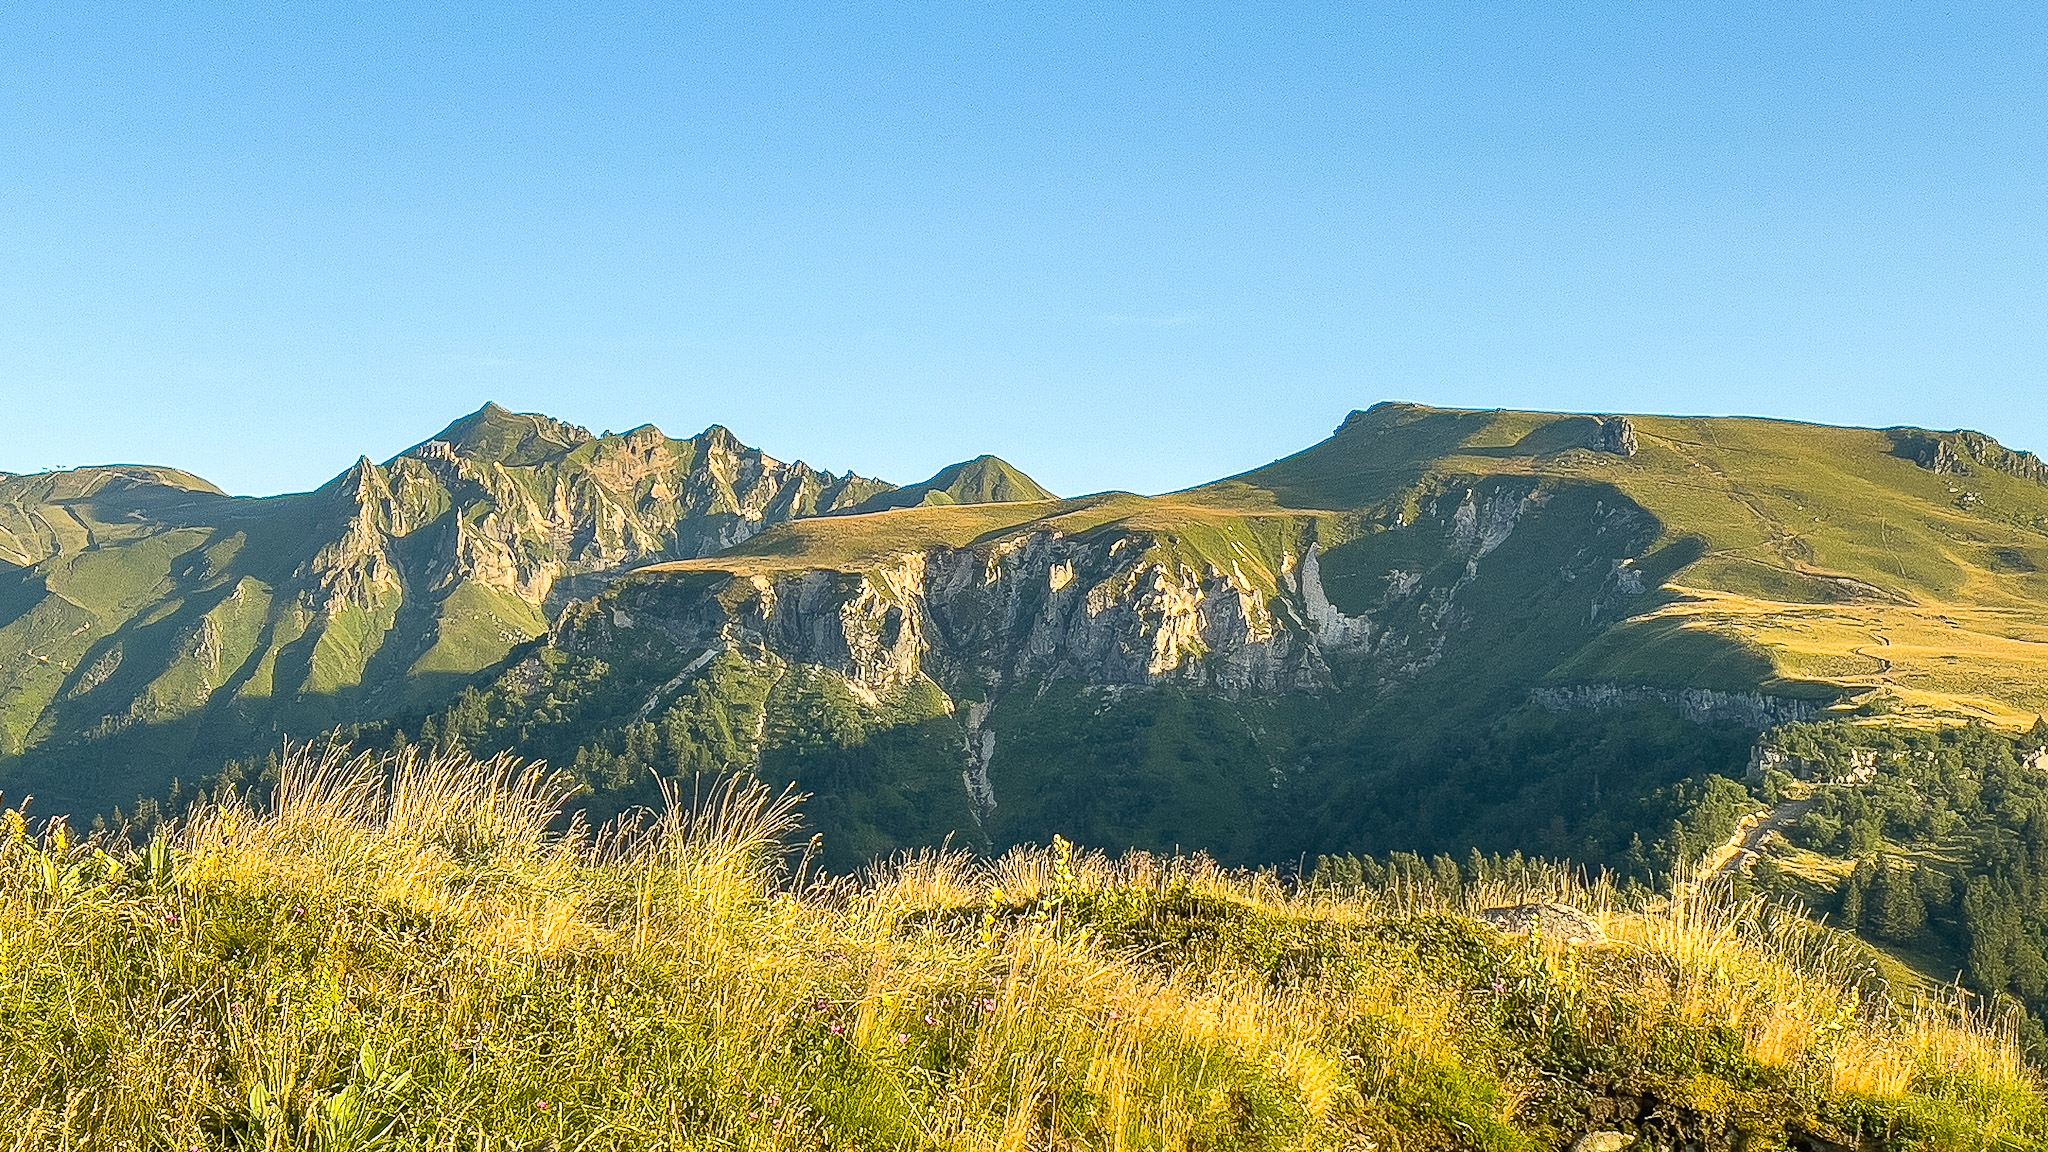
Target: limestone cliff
{"x": 1122, "y": 606}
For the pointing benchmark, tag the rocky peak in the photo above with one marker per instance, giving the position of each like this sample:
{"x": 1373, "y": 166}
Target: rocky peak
{"x": 643, "y": 440}
{"x": 355, "y": 568}
{"x": 361, "y": 479}
{"x": 1617, "y": 435}
{"x": 1955, "y": 453}
{"x": 492, "y": 433}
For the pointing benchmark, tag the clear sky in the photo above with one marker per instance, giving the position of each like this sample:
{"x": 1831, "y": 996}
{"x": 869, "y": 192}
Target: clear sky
{"x": 1122, "y": 246}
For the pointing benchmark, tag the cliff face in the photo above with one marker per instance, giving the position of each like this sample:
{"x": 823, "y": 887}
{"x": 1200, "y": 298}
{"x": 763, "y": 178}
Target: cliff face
{"x": 1156, "y": 672}
{"x": 1119, "y": 606}
{"x": 542, "y": 529}
{"x": 1102, "y": 610}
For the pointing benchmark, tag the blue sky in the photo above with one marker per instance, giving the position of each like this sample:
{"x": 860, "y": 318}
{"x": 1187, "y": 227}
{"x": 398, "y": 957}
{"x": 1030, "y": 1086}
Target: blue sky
{"x": 1122, "y": 246}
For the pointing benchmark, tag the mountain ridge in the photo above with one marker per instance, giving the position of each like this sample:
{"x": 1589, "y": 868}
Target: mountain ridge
{"x": 140, "y": 601}
{"x": 1459, "y": 564}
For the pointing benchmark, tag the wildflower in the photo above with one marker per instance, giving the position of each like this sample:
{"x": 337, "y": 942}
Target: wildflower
{"x": 171, "y": 918}
{"x": 930, "y": 1020}
{"x": 1499, "y": 986}
{"x": 903, "y": 1038}
{"x": 837, "y": 1028}
{"x": 541, "y": 1104}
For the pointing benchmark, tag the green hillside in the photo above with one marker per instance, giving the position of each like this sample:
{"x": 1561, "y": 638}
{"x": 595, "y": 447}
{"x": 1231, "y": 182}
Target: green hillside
{"x": 1434, "y": 630}
{"x": 1852, "y": 558}
{"x": 1437, "y": 632}
{"x": 982, "y": 480}
{"x": 1803, "y": 559}
{"x": 1526, "y": 599}
{"x": 152, "y": 627}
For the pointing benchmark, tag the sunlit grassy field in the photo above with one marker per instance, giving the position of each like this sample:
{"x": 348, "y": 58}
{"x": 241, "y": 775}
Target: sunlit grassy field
{"x": 412, "y": 953}
{"x": 1954, "y": 661}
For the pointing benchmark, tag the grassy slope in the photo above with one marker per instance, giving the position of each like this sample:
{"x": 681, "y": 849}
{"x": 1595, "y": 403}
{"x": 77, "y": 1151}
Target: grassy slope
{"x": 1842, "y": 562}
{"x": 982, "y": 480}
{"x": 1194, "y": 529}
{"x": 1735, "y": 600}
{"x": 402, "y": 955}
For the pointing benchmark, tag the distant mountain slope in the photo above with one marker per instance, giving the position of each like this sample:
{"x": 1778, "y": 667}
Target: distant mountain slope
{"x": 142, "y": 603}
{"x": 982, "y": 480}
{"x": 1436, "y": 631}
{"x": 1858, "y": 559}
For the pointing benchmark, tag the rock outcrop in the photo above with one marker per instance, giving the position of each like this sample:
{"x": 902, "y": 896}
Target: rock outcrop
{"x": 1959, "y": 453}
{"x": 544, "y": 526}
{"x": 1552, "y": 921}
{"x": 1042, "y": 605}
{"x": 1123, "y": 607}
{"x": 322, "y": 607}
{"x": 1617, "y": 436}
{"x": 1699, "y": 705}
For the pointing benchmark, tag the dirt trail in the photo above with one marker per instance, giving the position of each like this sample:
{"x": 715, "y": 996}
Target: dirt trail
{"x": 1883, "y": 641}
{"x": 1746, "y": 844}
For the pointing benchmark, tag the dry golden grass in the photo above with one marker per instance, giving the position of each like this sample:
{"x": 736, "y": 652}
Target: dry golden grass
{"x": 1942, "y": 662}
{"x": 418, "y": 953}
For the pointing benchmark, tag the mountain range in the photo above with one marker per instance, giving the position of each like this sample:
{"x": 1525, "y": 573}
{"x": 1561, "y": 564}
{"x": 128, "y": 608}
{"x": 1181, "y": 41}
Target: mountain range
{"x": 1437, "y": 628}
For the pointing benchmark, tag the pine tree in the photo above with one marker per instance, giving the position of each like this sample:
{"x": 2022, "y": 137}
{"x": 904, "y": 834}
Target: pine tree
{"x": 1445, "y": 871}
{"x": 1989, "y": 966}
{"x": 1854, "y": 889}
{"x": 1900, "y": 913}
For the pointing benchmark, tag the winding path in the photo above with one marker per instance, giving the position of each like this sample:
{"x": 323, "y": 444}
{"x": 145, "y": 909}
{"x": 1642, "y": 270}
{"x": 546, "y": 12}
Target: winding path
{"x": 1744, "y": 846}
{"x": 1883, "y": 641}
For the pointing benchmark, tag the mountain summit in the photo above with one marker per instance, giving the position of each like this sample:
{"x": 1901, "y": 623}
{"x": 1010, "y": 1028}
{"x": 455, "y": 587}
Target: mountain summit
{"x": 492, "y": 433}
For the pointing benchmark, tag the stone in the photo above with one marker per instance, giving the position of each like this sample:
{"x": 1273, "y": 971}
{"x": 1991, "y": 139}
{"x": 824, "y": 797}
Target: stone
{"x": 1602, "y": 1142}
{"x": 1549, "y": 919}
{"x": 1618, "y": 436}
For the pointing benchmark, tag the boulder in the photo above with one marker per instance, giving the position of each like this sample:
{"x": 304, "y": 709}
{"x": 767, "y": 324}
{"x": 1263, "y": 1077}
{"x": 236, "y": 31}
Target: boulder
{"x": 1550, "y": 919}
